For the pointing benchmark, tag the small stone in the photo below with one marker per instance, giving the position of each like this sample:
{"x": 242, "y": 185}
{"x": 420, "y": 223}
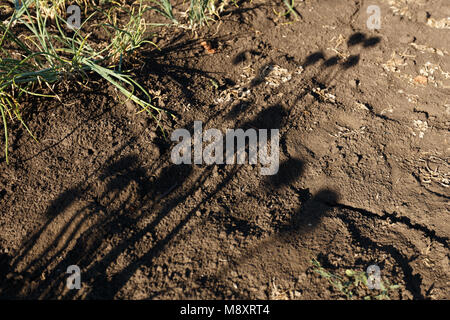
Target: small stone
{"x": 353, "y": 83}
{"x": 422, "y": 16}
{"x": 421, "y": 80}
{"x": 309, "y": 98}
{"x": 130, "y": 106}
{"x": 247, "y": 56}
{"x": 406, "y": 38}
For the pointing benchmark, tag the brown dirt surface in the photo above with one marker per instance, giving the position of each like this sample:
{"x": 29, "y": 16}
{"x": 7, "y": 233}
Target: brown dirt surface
{"x": 364, "y": 164}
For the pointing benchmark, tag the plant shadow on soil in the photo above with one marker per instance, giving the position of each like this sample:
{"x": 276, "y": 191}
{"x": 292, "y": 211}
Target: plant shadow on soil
{"x": 131, "y": 197}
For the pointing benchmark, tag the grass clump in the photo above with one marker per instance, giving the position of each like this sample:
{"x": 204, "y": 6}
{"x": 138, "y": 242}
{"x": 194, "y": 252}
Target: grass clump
{"x": 37, "y": 50}
{"x": 199, "y": 13}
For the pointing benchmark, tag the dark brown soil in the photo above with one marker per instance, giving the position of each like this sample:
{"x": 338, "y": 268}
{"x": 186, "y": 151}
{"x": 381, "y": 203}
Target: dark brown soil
{"x": 363, "y": 179}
